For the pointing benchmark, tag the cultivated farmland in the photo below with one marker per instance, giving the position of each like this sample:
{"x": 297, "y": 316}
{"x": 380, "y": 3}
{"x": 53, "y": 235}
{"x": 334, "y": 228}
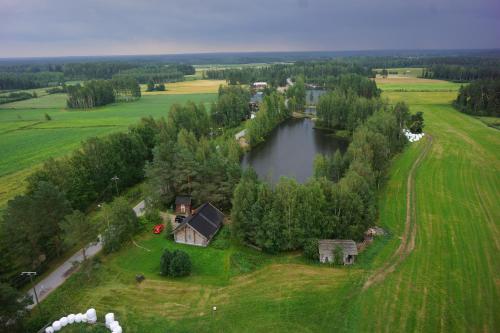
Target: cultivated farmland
{"x": 27, "y": 138}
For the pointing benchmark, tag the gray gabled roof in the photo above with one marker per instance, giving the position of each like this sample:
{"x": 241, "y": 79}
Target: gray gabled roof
{"x": 183, "y": 200}
{"x": 206, "y": 220}
{"x": 348, "y": 246}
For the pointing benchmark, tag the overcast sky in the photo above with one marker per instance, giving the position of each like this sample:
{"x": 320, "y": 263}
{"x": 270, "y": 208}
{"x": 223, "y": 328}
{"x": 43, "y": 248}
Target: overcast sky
{"x": 111, "y": 27}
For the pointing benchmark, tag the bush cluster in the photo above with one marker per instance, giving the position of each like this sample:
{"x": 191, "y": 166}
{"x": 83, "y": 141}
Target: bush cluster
{"x": 175, "y": 264}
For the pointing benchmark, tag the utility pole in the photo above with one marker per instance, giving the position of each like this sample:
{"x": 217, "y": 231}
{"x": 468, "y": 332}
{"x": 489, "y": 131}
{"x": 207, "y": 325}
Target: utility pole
{"x": 116, "y": 179}
{"x": 31, "y": 274}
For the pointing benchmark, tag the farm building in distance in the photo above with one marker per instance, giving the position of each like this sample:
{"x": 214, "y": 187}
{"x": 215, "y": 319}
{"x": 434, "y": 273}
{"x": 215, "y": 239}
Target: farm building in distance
{"x": 259, "y": 85}
{"x": 326, "y": 249}
{"x": 183, "y": 205}
{"x": 199, "y": 228}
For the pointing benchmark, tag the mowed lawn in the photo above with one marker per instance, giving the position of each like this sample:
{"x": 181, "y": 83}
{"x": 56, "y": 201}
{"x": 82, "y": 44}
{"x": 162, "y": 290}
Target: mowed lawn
{"x": 450, "y": 282}
{"x": 280, "y": 293}
{"x": 27, "y": 138}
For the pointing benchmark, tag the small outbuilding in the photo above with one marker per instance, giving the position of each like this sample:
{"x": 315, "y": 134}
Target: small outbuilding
{"x": 183, "y": 205}
{"x": 199, "y": 228}
{"x": 327, "y": 248}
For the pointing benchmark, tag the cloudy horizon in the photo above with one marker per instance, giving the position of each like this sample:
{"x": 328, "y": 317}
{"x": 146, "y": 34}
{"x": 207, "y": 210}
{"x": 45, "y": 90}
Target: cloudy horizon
{"x": 51, "y": 28}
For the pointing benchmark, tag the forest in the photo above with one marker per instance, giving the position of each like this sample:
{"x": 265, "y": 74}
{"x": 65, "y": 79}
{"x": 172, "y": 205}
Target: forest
{"x": 480, "y": 98}
{"x": 29, "y": 76}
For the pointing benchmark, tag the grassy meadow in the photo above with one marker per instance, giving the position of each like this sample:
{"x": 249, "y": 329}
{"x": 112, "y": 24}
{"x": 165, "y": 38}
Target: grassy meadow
{"x": 448, "y": 283}
{"x": 27, "y": 138}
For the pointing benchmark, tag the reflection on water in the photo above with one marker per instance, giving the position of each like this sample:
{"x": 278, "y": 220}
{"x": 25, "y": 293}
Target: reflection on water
{"x": 290, "y": 150}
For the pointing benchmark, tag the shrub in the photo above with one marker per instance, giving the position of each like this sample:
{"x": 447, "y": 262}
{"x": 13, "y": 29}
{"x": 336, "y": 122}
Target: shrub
{"x": 175, "y": 263}
{"x": 222, "y": 240}
{"x": 311, "y": 249}
{"x": 165, "y": 261}
{"x": 180, "y": 265}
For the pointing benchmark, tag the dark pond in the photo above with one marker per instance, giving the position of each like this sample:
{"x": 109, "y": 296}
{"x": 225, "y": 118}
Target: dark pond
{"x": 312, "y": 96}
{"x": 290, "y": 150}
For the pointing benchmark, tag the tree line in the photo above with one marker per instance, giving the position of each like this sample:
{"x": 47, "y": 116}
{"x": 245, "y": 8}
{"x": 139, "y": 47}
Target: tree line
{"x": 231, "y": 106}
{"x": 339, "y": 202}
{"x": 345, "y": 110}
{"x": 30, "y": 76}
{"x": 276, "y": 75}
{"x": 479, "y": 98}
{"x": 461, "y": 73}
{"x": 101, "y": 92}
{"x": 271, "y": 113}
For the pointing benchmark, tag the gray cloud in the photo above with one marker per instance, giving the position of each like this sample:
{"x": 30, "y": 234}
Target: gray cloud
{"x": 93, "y": 27}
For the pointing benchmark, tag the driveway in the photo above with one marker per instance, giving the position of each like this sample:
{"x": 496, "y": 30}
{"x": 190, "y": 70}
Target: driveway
{"x": 59, "y": 275}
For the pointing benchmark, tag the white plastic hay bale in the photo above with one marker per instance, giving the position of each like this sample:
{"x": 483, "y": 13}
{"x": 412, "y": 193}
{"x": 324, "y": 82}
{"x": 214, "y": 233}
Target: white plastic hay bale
{"x": 91, "y": 316}
{"x": 71, "y": 319}
{"x": 63, "y": 321}
{"x": 91, "y": 313}
{"x": 49, "y": 330}
{"x": 110, "y": 317}
{"x": 113, "y": 324}
{"x": 56, "y": 325}
{"x": 84, "y": 318}
{"x": 117, "y": 329}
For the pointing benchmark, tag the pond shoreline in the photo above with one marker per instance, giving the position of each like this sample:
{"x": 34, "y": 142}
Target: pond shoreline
{"x": 290, "y": 148}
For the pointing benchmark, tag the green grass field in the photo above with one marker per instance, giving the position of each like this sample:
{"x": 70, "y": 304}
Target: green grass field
{"x": 414, "y": 84}
{"x": 448, "y": 283}
{"x": 27, "y": 138}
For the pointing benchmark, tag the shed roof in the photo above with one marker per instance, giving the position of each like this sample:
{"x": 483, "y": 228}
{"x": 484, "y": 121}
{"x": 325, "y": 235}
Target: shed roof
{"x": 348, "y": 246}
{"x": 206, "y": 220}
{"x": 183, "y": 200}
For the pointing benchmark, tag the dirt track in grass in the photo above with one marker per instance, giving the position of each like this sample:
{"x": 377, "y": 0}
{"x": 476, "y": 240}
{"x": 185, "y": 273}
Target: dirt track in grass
{"x": 408, "y": 238}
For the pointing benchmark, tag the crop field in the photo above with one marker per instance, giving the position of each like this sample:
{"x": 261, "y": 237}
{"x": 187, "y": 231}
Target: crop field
{"x": 188, "y": 87}
{"x": 396, "y": 83}
{"x": 449, "y": 283}
{"x": 27, "y": 138}
{"x": 409, "y": 72}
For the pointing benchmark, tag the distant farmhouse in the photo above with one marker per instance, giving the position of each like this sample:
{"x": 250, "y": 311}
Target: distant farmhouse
{"x": 326, "y": 249}
{"x": 259, "y": 85}
{"x": 199, "y": 228}
{"x": 183, "y": 205}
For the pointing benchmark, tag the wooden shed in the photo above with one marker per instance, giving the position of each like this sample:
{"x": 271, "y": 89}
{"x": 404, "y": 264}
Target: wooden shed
{"x": 183, "y": 205}
{"x": 199, "y": 228}
{"x": 326, "y": 249}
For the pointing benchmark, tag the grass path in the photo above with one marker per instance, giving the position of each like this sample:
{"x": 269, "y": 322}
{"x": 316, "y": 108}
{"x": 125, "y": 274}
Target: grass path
{"x": 408, "y": 237}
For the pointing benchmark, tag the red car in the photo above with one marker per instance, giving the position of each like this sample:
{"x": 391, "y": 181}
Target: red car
{"x": 158, "y": 228}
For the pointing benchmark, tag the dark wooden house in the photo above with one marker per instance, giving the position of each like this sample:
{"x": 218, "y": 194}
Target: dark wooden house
{"x": 183, "y": 205}
{"x": 199, "y": 229}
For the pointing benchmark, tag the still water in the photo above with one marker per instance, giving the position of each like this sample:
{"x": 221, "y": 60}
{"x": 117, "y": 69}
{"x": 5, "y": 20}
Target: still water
{"x": 290, "y": 150}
